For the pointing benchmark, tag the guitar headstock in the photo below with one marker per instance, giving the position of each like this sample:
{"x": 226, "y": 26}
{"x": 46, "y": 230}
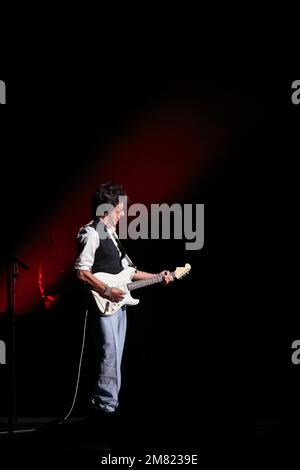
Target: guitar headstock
{"x": 180, "y": 272}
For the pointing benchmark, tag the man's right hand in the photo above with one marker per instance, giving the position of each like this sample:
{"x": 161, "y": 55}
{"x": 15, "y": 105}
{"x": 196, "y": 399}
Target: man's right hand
{"x": 115, "y": 295}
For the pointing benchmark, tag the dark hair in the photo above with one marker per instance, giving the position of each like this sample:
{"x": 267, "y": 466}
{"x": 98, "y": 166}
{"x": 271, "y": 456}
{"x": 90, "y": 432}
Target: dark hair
{"x": 107, "y": 193}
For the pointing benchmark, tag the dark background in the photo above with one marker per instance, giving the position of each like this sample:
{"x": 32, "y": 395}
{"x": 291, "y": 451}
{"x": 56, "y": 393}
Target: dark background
{"x": 209, "y": 354}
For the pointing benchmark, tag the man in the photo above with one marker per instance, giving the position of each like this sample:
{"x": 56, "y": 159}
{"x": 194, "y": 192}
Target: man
{"x": 99, "y": 250}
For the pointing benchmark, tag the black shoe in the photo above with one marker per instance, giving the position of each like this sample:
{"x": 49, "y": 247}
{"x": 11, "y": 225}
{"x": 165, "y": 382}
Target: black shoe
{"x": 99, "y": 414}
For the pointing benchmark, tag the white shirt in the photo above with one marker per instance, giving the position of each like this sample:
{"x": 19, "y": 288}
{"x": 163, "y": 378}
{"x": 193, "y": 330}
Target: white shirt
{"x": 89, "y": 237}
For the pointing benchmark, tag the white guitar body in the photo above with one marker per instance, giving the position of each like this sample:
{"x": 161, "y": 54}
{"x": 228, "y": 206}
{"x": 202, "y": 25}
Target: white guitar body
{"x": 106, "y": 307}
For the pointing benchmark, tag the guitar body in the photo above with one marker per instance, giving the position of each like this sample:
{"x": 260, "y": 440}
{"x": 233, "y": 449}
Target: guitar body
{"x": 106, "y": 307}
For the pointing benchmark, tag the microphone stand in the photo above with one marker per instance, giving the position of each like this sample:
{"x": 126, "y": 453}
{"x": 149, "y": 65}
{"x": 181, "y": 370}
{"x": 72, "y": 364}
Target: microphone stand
{"x": 12, "y": 272}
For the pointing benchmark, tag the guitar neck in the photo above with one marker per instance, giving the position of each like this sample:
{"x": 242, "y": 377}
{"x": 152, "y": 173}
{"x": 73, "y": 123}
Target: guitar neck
{"x": 146, "y": 282}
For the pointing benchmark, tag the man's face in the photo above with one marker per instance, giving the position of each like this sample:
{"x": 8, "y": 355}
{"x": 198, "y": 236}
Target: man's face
{"x": 115, "y": 215}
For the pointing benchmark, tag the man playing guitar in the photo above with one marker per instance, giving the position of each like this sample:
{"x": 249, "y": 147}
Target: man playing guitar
{"x": 105, "y": 254}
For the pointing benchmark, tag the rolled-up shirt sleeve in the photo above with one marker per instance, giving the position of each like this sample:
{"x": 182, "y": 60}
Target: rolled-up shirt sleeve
{"x": 87, "y": 243}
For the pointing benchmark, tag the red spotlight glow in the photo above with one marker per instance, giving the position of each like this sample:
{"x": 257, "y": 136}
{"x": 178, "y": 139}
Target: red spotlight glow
{"x": 156, "y": 160}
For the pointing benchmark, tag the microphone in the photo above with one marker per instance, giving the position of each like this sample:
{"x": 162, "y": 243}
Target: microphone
{"x": 14, "y": 259}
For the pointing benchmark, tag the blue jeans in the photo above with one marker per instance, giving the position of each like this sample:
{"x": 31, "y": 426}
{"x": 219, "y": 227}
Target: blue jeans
{"x": 108, "y": 337}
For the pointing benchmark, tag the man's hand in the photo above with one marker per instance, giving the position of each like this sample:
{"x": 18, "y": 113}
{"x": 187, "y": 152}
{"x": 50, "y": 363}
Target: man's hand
{"x": 114, "y": 294}
{"x": 167, "y": 277}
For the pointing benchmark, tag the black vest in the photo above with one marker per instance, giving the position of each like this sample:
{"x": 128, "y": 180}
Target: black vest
{"x": 107, "y": 258}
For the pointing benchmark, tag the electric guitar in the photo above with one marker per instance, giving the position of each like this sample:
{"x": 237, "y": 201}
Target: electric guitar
{"x": 123, "y": 281}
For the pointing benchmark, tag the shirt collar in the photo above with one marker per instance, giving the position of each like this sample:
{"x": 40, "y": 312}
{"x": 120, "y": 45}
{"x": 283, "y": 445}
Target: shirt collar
{"x": 111, "y": 230}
